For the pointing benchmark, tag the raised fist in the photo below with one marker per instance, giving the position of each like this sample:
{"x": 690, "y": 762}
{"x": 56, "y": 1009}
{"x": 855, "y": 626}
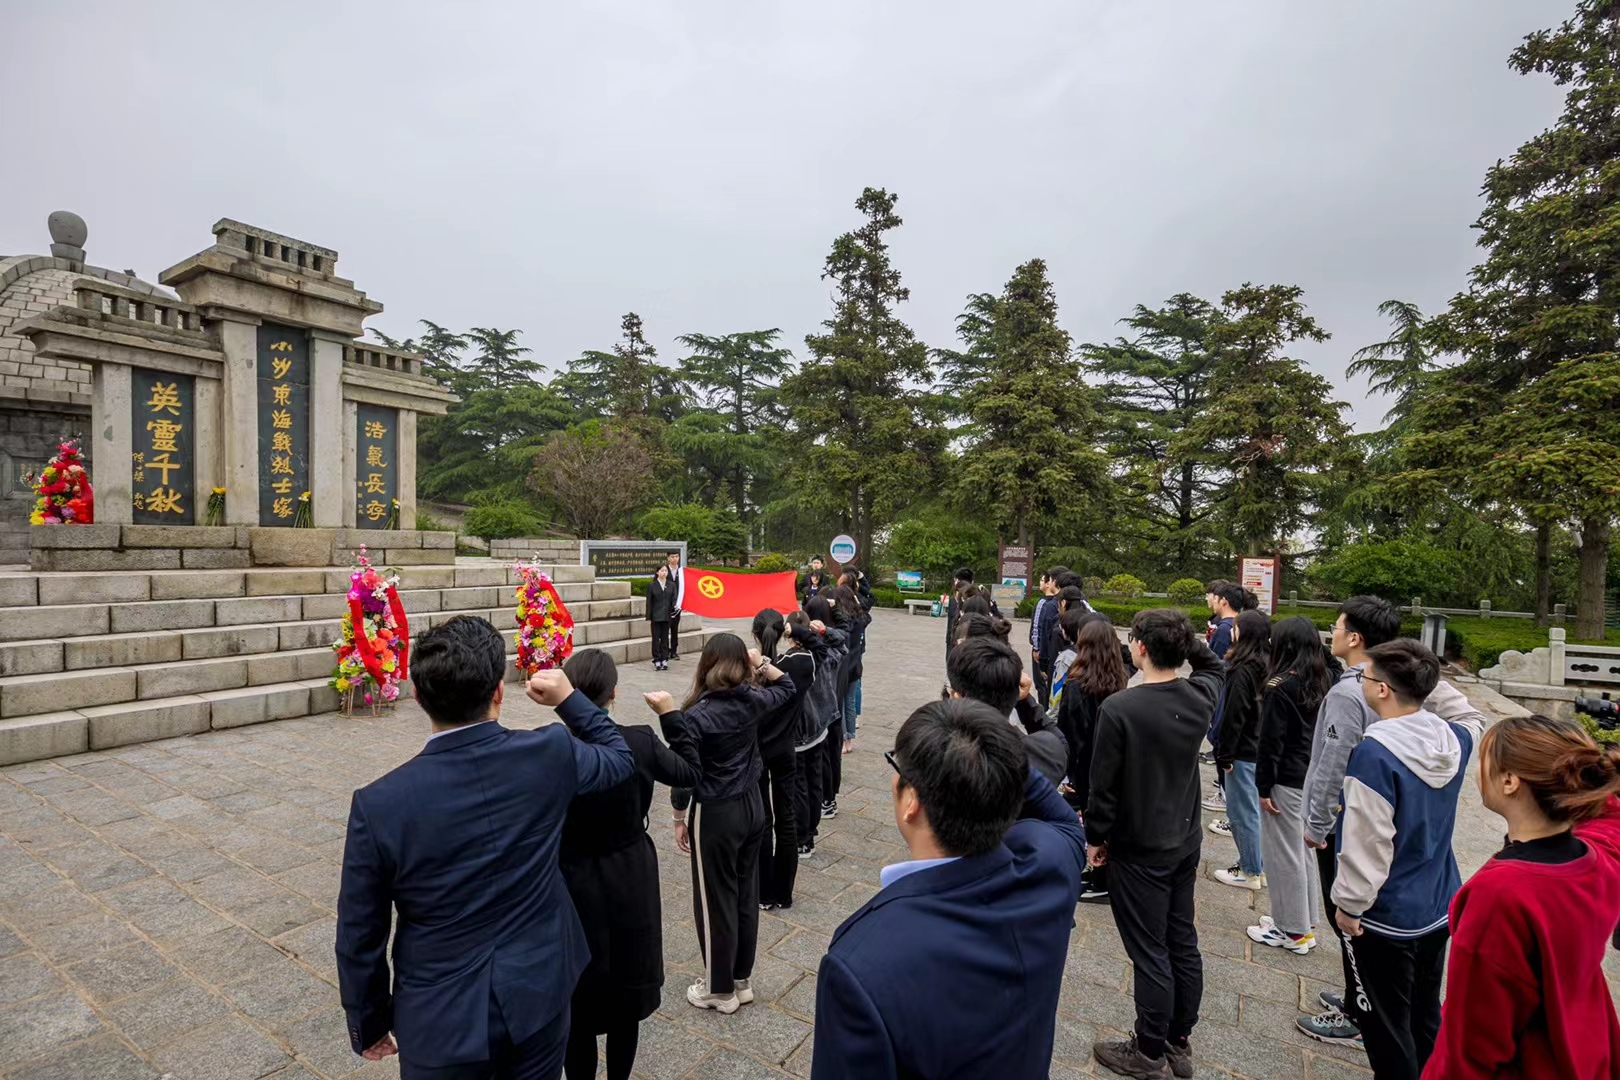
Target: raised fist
{"x": 550, "y": 687}
{"x": 659, "y": 701}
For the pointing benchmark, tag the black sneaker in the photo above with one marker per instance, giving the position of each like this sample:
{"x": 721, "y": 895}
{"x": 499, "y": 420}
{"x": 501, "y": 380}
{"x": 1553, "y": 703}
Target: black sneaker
{"x": 805, "y": 851}
{"x": 1126, "y": 1059}
{"x": 1180, "y": 1059}
{"x": 1093, "y": 894}
{"x": 829, "y": 808}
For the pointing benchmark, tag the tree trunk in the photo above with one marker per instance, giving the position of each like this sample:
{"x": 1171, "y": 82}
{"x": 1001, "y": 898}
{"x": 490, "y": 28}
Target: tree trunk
{"x": 1543, "y": 572}
{"x": 1594, "y": 571}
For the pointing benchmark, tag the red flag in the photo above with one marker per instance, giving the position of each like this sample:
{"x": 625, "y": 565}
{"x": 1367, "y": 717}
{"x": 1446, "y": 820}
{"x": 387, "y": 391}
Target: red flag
{"x": 715, "y": 594}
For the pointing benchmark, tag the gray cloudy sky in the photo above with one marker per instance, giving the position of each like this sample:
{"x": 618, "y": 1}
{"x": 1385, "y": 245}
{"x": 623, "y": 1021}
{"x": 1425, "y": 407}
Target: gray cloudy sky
{"x": 551, "y": 166}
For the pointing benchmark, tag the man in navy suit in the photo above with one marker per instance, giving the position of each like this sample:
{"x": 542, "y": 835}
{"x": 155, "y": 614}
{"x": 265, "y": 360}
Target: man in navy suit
{"x": 953, "y": 969}
{"x": 462, "y": 841}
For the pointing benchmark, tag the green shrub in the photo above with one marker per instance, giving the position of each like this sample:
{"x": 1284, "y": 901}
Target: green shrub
{"x": 773, "y": 563}
{"x": 1125, "y": 585}
{"x": 710, "y": 533}
{"x": 501, "y": 521}
{"x": 888, "y": 596}
{"x": 1026, "y": 607}
{"x": 1397, "y": 570}
{"x": 1092, "y": 586}
{"x": 937, "y": 543}
{"x": 1184, "y": 592}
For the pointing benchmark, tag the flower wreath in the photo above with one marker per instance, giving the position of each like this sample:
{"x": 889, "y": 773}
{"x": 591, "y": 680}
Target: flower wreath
{"x": 545, "y": 636}
{"x": 376, "y": 643}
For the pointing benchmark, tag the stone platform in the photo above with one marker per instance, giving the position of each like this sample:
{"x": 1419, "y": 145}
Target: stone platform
{"x": 101, "y": 548}
{"x": 90, "y": 661}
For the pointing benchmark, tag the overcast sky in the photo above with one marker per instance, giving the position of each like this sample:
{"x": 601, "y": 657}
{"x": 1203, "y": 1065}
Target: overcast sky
{"x": 552, "y": 166}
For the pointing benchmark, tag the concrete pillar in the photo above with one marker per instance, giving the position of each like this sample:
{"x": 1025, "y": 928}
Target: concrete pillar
{"x": 330, "y": 438}
{"x": 406, "y": 452}
{"x": 208, "y": 457}
{"x": 239, "y": 440}
{"x": 1557, "y": 655}
{"x": 351, "y": 477}
{"x": 111, "y": 444}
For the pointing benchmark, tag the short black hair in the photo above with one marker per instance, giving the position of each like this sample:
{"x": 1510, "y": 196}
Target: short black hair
{"x": 456, "y": 668}
{"x": 1373, "y": 617}
{"x": 1052, "y": 573}
{"x": 985, "y": 668}
{"x": 1232, "y": 594}
{"x": 1408, "y": 667}
{"x": 817, "y": 559}
{"x": 968, "y": 768}
{"x": 1068, "y": 579}
{"x": 594, "y": 674}
{"x": 964, "y": 573}
{"x": 1166, "y": 634}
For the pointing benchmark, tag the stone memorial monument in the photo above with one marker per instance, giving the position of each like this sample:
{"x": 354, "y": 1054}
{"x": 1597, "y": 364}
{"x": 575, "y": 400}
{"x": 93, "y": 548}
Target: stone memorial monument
{"x": 241, "y": 369}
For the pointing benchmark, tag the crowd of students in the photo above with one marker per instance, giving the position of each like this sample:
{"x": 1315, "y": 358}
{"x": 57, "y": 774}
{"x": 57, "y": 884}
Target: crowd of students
{"x": 527, "y": 888}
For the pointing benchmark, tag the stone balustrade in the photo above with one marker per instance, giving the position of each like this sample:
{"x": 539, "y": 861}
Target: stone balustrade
{"x": 151, "y": 309}
{"x": 367, "y": 355}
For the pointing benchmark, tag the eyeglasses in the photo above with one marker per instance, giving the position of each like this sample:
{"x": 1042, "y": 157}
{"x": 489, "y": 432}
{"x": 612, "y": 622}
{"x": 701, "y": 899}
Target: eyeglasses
{"x": 1362, "y": 676}
{"x": 888, "y": 755}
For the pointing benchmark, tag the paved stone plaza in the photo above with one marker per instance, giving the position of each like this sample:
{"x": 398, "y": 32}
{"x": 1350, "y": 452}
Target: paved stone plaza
{"x": 167, "y": 909}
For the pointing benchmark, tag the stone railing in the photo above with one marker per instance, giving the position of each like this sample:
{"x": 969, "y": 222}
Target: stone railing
{"x": 153, "y": 310}
{"x": 375, "y": 356}
{"x": 275, "y": 248}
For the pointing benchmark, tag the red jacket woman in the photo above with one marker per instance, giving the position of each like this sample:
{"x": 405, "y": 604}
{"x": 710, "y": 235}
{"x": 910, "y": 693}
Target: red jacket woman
{"x": 1526, "y": 994}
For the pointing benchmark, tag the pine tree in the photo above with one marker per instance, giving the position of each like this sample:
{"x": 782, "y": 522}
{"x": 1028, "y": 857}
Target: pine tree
{"x": 1269, "y": 428}
{"x": 1027, "y": 456}
{"x": 500, "y": 363}
{"x": 1157, "y": 383}
{"x": 627, "y": 382}
{"x": 1532, "y": 409}
{"x": 737, "y": 376}
{"x": 867, "y": 435}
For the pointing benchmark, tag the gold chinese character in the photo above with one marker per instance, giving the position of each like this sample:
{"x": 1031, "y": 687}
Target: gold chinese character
{"x": 375, "y": 430}
{"x": 279, "y": 366}
{"x": 282, "y": 487}
{"x": 374, "y": 484}
{"x": 283, "y": 394}
{"x": 374, "y": 457}
{"x": 162, "y": 463}
{"x": 138, "y": 500}
{"x": 281, "y": 346}
{"x": 164, "y": 433}
{"x": 164, "y": 501}
{"x": 280, "y": 466}
{"x": 281, "y": 441}
{"x": 280, "y": 419}
{"x": 375, "y": 510}
{"x": 165, "y": 396}
{"x": 282, "y": 508}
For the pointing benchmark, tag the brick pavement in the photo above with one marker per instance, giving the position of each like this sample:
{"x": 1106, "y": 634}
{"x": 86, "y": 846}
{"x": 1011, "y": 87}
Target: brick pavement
{"x": 168, "y": 909}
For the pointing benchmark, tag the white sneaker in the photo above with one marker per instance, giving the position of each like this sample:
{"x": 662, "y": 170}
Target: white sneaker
{"x": 1221, "y": 827}
{"x": 698, "y": 996}
{"x": 1236, "y": 877}
{"x": 745, "y": 992}
{"x": 1216, "y": 801}
{"x": 1267, "y": 933}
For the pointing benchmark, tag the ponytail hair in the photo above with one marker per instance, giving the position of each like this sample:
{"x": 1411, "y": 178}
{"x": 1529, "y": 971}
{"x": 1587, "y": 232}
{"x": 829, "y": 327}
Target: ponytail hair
{"x": 1570, "y": 775}
{"x": 976, "y": 624}
{"x": 768, "y": 631}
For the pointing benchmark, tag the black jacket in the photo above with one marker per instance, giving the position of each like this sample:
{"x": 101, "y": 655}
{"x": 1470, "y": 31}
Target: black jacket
{"x": 719, "y": 736}
{"x": 779, "y": 732}
{"x": 1240, "y": 723}
{"x": 1145, "y": 783}
{"x": 1077, "y": 719}
{"x": 1044, "y": 743}
{"x": 1286, "y": 726}
{"x": 660, "y": 601}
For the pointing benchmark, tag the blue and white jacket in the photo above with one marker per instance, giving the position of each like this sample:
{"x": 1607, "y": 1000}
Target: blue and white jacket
{"x": 1397, "y": 872}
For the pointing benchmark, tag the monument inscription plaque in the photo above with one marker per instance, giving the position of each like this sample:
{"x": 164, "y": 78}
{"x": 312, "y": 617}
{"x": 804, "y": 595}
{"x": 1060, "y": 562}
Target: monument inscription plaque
{"x": 162, "y": 455}
{"x": 283, "y": 422}
{"x": 375, "y": 466}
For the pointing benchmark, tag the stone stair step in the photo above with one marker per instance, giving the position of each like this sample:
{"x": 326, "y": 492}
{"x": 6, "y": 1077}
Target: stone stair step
{"x": 99, "y": 726}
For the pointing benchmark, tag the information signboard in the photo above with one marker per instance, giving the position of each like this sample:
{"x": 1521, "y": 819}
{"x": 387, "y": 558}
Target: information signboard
{"x": 1259, "y": 576}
